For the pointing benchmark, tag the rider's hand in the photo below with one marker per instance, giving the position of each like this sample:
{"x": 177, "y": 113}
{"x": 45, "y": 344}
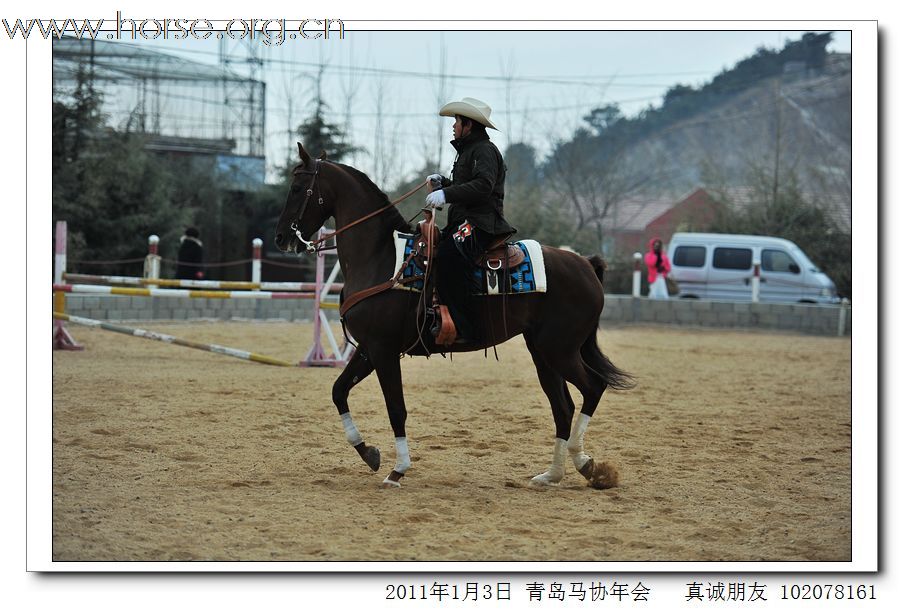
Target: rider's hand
{"x": 436, "y": 199}
{"x": 435, "y": 181}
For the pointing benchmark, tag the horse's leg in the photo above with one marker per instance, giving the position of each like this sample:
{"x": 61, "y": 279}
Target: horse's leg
{"x": 587, "y": 369}
{"x": 389, "y": 372}
{"x": 562, "y": 411}
{"x": 356, "y": 370}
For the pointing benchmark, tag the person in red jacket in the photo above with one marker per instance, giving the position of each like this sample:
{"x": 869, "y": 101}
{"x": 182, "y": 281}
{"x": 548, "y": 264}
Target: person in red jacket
{"x": 658, "y": 267}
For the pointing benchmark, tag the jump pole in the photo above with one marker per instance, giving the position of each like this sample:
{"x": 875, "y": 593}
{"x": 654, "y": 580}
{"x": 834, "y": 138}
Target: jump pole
{"x": 143, "y": 333}
{"x": 62, "y": 340}
{"x": 137, "y": 281}
{"x": 185, "y": 293}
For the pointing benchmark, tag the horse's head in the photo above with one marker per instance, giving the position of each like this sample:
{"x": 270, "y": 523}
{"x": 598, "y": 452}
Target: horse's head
{"x": 306, "y": 209}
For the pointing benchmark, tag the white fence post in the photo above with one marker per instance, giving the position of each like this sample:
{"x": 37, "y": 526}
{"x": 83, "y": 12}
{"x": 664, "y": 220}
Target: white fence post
{"x": 635, "y": 285}
{"x": 61, "y": 337}
{"x": 152, "y": 260}
{"x": 755, "y": 282}
{"x": 59, "y": 260}
{"x": 256, "y": 245}
{"x": 842, "y": 316}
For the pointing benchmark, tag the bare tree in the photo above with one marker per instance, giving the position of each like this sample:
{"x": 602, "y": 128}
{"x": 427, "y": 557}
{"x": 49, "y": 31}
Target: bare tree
{"x": 781, "y": 138}
{"x": 507, "y": 69}
{"x": 377, "y": 151}
{"x": 595, "y": 173}
{"x": 350, "y": 86}
{"x": 387, "y": 160}
{"x": 440, "y": 87}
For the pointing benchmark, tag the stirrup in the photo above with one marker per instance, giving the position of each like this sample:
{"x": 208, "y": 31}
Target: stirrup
{"x": 446, "y": 333}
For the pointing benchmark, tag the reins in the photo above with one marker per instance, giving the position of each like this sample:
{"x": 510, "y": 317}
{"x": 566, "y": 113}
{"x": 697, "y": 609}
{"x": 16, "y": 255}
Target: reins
{"x": 314, "y": 246}
{"x": 317, "y": 245}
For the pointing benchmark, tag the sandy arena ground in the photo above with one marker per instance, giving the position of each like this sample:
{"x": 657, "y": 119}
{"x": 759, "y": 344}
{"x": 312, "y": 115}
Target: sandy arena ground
{"x": 734, "y": 446}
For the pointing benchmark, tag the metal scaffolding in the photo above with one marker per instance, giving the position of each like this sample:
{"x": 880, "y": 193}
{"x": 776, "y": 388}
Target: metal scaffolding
{"x": 144, "y": 90}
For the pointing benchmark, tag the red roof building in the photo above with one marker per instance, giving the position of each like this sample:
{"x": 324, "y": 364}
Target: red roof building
{"x": 634, "y": 222}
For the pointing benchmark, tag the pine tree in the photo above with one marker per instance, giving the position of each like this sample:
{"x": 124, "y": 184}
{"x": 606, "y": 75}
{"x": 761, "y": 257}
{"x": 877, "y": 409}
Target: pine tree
{"x": 317, "y": 134}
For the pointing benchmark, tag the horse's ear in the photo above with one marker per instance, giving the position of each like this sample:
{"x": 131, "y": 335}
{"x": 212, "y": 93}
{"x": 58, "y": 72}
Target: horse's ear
{"x": 305, "y": 158}
{"x": 322, "y": 156}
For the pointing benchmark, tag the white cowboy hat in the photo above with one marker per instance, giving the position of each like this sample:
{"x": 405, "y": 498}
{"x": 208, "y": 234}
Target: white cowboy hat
{"x": 472, "y": 108}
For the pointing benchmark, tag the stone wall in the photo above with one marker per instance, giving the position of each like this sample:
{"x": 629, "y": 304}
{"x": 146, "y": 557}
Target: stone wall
{"x": 620, "y": 309}
{"x": 807, "y": 318}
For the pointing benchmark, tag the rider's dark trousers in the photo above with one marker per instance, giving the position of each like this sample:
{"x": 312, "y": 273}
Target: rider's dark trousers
{"x": 455, "y": 282}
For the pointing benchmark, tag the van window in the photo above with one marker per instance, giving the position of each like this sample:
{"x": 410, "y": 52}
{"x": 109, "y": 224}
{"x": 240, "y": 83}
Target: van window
{"x": 690, "y": 256}
{"x": 778, "y": 261}
{"x": 732, "y": 259}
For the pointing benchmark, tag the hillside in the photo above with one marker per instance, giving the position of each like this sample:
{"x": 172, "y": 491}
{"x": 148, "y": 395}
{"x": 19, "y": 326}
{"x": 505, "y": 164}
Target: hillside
{"x": 800, "y": 120}
{"x": 776, "y": 121}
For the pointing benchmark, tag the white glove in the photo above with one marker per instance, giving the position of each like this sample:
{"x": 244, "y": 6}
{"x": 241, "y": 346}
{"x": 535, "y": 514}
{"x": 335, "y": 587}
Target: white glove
{"x": 435, "y": 177}
{"x": 436, "y": 199}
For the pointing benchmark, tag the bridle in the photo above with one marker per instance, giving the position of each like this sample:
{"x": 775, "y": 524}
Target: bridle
{"x": 313, "y": 246}
{"x": 310, "y": 247}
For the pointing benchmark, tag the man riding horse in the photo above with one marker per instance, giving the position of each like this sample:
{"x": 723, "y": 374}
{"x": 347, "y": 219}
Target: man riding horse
{"x": 475, "y": 219}
{"x": 559, "y": 323}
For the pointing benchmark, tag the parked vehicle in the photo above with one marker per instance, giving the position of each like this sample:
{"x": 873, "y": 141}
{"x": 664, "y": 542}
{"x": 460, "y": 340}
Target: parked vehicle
{"x": 720, "y": 267}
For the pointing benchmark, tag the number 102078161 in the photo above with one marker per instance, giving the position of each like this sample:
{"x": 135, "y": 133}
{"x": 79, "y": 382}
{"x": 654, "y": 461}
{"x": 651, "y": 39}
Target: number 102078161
{"x": 829, "y": 591}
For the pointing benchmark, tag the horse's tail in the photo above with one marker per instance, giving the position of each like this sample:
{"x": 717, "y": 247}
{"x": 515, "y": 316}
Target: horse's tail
{"x": 593, "y": 357}
{"x": 596, "y": 362}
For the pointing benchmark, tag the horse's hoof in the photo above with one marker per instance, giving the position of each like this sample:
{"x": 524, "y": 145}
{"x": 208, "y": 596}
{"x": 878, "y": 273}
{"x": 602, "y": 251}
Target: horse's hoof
{"x": 600, "y": 475}
{"x": 370, "y": 454}
{"x": 544, "y": 480}
{"x": 392, "y": 481}
{"x": 372, "y": 458}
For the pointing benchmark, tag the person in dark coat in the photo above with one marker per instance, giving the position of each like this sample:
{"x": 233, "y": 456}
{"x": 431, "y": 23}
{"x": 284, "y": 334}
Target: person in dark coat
{"x": 475, "y": 220}
{"x": 191, "y": 256}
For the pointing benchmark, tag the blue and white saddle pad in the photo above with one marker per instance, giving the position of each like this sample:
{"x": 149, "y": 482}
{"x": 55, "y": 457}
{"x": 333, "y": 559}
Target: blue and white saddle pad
{"x": 527, "y": 277}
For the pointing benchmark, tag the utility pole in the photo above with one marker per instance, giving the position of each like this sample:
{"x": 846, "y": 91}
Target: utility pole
{"x": 778, "y": 142}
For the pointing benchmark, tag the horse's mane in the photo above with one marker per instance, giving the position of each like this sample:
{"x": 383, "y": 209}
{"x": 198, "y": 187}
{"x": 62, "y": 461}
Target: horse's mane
{"x": 393, "y": 214}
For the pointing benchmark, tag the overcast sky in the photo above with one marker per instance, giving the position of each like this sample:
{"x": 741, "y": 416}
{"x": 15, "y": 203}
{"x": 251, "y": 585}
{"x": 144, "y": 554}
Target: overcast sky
{"x": 539, "y": 84}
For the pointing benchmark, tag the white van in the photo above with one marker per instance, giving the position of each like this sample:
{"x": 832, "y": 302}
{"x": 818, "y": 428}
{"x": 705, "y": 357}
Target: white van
{"x": 720, "y": 267}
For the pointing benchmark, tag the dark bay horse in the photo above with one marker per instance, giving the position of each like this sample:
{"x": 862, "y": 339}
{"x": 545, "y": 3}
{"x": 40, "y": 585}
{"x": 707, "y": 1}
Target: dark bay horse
{"x": 559, "y": 326}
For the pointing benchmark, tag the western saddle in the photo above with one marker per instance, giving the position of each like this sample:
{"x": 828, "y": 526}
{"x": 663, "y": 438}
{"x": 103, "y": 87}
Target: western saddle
{"x": 499, "y": 256}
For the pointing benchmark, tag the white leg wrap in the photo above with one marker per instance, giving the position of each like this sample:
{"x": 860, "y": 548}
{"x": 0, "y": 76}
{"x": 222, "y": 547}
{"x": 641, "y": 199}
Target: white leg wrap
{"x": 351, "y": 432}
{"x": 556, "y": 471}
{"x": 576, "y": 441}
{"x": 403, "y": 459}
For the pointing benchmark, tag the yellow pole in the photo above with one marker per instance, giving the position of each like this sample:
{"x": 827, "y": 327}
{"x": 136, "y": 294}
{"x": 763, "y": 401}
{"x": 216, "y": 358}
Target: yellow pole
{"x": 59, "y": 301}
